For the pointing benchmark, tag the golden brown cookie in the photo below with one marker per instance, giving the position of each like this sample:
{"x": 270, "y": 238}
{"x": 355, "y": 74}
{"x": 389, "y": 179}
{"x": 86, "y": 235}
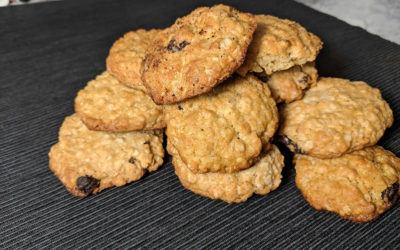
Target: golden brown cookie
{"x": 196, "y": 53}
{"x": 261, "y": 178}
{"x": 87, "y": 161}
{"x": 358, "y": 186}
{"x": 126, "y": 55}
{"x": 279, "y": 44}
{"x": 105, "y": 104}
{"x": 289, "y": 85}
{"x": 335, "y": 117}
{"x": 223, "y": 130}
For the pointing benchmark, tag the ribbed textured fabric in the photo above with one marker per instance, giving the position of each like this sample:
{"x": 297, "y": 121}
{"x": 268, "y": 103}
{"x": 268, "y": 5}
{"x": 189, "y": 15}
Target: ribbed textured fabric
{"x": 49, "y": 51}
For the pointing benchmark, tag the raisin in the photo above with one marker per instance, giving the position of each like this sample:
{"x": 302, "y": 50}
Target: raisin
{"x": 87, "y": 184}
{"x": 175, "y": 48}
{"x": 390, "y": 192}
{"x": 289, "y": 142}
{"x": 304, "y": 79}
{"x": 132, "y": 160}
{"x": 183, "y": 44}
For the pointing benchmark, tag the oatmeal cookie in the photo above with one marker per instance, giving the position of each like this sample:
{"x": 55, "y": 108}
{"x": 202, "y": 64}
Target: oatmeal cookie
{"x": 223, "y": 130}
{"x": 126, "y": 55}
{"x": 196, "y": 53}
{"x": 358, "y": 186}
{"x": 106, "y": 105}
{"x": 279, "y": 44}
{"x": 335, "y": 117}
{"x": 263, "y": 177}
{"x": 289, "y": 85}
{"x": 87, "y": 161}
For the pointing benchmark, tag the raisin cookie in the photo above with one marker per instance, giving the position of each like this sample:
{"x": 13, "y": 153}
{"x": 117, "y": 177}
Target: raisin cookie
{"x": 335, "y": 117}
{"x": 279, "y": 44}
{"x": 87, "y": 161}
{"x": 289, "y": 85}
{"x": 358, "y": 186}
{"x": 263, "y": 177}
{"x": 223, "y": 130}
{"x": 126, "y": 55}
{"x": 105, "y": 104}
{"x": 196, "y": 53}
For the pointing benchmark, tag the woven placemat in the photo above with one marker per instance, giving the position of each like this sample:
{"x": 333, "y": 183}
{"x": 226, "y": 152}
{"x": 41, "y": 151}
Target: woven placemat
{"x": 49, "y": 51}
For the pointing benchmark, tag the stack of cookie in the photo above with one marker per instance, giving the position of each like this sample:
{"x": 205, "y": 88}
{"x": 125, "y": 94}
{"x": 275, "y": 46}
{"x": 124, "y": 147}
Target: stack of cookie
{"x": 333, "y": 130}
{"x": 115, "y": 136}
{"x": 219, "y": 131}
{"x": 214, "y": 79}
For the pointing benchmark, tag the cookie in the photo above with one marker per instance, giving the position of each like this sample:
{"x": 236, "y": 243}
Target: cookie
{"x": 279, "y": 44}
{"x": 87, "y": 161}
{"x": 358, "y": 186}
{"x": 223, "y": 130}
{"x": 126, "y": 55}
{"x": 196, "y": 53}
{"x": 289, "y": 85}
{"x": 105, "y": 104}
{"x": 261, "y": 178}
{"x": 335, "y": 117}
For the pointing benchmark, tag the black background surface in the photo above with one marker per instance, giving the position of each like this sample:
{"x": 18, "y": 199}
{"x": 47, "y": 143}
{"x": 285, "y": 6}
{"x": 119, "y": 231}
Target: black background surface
{"x": 49, "y": 51}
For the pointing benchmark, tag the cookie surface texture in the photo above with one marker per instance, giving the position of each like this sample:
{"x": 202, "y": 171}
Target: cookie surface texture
{"x": 223, "y": 130}
{"x": 335, "y": 117}
{"x": 279, "y": 44}
{"x": 263, "y": 177}
{"x": 87, "y": 161}
{"x": 126, "y": 55}
{"x": 106, "y": 105}
{"x": 358, "y": 186}
{"x": 289, "y": 85}
{"x": 196, "y": 53}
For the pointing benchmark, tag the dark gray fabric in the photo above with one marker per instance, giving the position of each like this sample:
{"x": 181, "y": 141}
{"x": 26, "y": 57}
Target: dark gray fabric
{"x": 49, "y": 51}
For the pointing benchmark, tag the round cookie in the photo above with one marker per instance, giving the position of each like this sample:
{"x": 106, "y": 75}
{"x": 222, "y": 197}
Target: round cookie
{"x": 358, "y": 186}
{"x": 335, "y": 117}
{"x": 196, "y": 53}
{"x": 263, "y": 177}
{"x": 87, "y": 161}
{"x": 126, "y": 55}
{"x": 279, "y": 44}
{"x": 289, "y": 85}
{"x": 223, "y": 130}
{"x": 106, "y": 105}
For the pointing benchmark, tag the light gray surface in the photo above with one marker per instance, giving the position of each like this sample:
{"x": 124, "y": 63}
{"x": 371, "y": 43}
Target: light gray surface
{"x": 380, "y": 17}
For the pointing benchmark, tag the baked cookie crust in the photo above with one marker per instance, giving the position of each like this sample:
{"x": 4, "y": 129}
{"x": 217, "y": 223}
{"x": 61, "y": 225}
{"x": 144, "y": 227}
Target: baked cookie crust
{"x": 126, "y": 55}
{"x": 279, "y": 44}
{"x": 335, "y": 117}
{"x": 223, "y": 130}
{"x": 87, "y": 161}
{"x": 262, "y": 178}
{"x": 289, "y": 85}
{"x": 358, "y": 186}
{"x": 196, "y": 53}
{"x": 106, "y": 105}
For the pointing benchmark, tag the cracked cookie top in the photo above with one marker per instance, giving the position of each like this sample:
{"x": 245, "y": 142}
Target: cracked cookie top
{"x": 279, "y": 44}
{"x": 225, "y": 129}
{"x": 105, "y": 104}
{"x": 335, "y": 117}
{"x": 196, "y": 53}
{"x": 126, "y": 55}
{"x": 358, "y": 186}
{"x": 89, "y": 161}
